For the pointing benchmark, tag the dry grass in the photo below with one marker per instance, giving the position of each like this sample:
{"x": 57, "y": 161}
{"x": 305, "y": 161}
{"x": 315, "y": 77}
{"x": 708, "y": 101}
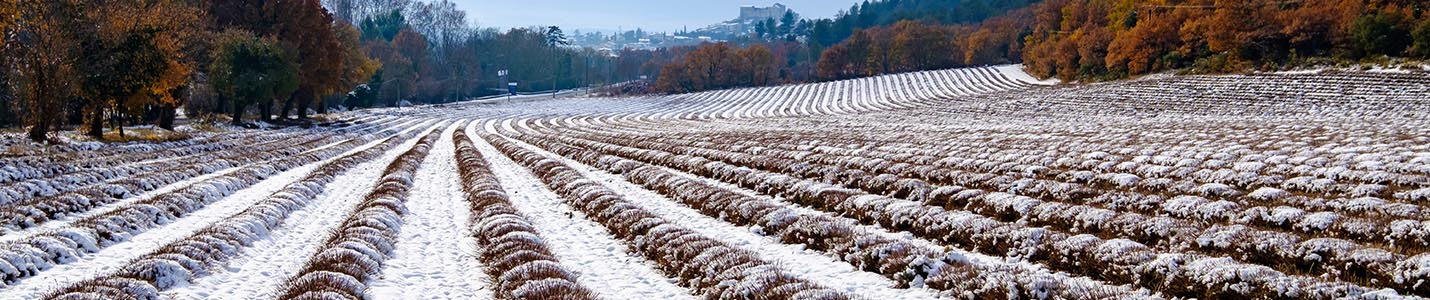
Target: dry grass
{"x": 150, "y": 135}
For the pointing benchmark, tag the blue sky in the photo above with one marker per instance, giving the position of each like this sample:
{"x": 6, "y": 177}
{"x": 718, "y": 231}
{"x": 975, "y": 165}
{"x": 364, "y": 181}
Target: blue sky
{"x": 653, "y": 15}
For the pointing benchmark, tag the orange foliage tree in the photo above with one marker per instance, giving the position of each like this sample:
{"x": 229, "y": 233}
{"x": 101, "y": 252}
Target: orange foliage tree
{"x": 719, "y": 66}
{"x": 134, "y": 58}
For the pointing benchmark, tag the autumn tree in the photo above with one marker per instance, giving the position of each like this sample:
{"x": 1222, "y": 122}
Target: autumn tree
{"x": 672, "y": 79}
{"x": 1319, "y": 28}
{"x": 848, "y": 59}
{"x": 710, "y": 67}
{"x": 9, "y": 12}
{"x": 832, "y": 63}
{"x": 1247, "y": 32}
{"x": 247, "y": 69}
{"x": 305, "y": 29}
{"x": 405, "y": 60}
{"x": 1152, "y": 43}
{"x": 922, "y": 46}
{"x": 761, "y": 68}
{"x": 719, "y": 66}
{"x": 358, "y": 67}
{"x": 46, "y": 45}
{"x": 133, "y": 58}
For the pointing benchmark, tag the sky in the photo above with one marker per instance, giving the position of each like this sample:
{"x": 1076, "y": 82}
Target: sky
{"x": 651, "y": 15}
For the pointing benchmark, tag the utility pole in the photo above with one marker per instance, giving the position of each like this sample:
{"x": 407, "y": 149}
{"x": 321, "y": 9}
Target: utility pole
{"x": 504, "y": 84}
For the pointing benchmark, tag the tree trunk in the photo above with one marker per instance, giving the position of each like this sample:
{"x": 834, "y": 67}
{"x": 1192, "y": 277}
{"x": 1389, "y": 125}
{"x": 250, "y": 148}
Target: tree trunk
{"x": 167, "y": 113}
{"x": 41, "y": 128}
{"x": 96, "y": 123}
{"x": 304, "y": 97}
{"x": 303, "y": 108}
{"x": 288, "y": 105}
{"x": 266, "y": 111}
{"x": 119, "y": 123}
{"x": 238, "y": 113}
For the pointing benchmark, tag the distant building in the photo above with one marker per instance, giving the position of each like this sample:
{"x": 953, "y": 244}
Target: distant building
{"x": 750, "y": 16}
{"x": 751, "y": 12}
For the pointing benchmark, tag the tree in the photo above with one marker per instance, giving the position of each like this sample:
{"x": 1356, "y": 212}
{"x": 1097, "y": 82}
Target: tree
{"x": 1247, "y": 31}
{"x": 305, "y": 29}
{"x": 1320, "y": 27}
{"x": 832, "y": 63}
{"x": 358, "y": 68}
{"x": 404, "y": 64}
{"x": 787, "y": 23}
{"x": 384, "y": 27}
{"x": 555, "y": 39}
{"x": 1144, "y": 47}
{"x": 47, "y": 46}
{"x": 343, "y": 10}
{"x": 247, "y": 69}
{"x": 133, "y": 59}
{"x": 921, "y": 46}
{"x": 1422, "y": 39}
{"x": 848, "y": 59}
{"x": 9, "y": 11}
{"x": 761, "y": 31}
{"x": 673, "y": 79}
{"x": 772, "y": 29}
{"x": 761, "y": 65}
{"x": 1381, "y": 34}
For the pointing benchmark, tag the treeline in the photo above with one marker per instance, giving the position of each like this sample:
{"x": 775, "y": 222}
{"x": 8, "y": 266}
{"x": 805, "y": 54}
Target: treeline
{"x": 910, "y": 46}
{"x": 430, "y": 53}
{"x": 1084, "y": 39}
{"x": 872, "y": 14}
{"x": 109, "y": 63}
{"x": 871, "y": 38}
{"x": 1108, "y": 39}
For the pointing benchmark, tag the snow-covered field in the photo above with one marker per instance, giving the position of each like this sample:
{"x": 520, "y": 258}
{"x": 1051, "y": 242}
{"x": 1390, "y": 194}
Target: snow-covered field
{"x": 978, "y": 183}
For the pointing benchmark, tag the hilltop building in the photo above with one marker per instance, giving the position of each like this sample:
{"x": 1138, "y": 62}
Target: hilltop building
{"x": 751, "y": 12}
{"x": 750, "y": 16}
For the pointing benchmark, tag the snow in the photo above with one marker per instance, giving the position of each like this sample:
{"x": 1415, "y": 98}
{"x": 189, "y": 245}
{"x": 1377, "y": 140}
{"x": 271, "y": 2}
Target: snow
{"x": 116, "y": 256}
{"x": 1016, "y": 72}
{"x": 810, "y": 264}
{"x": 262, "y": 267}
{"x": 433, "y": 255}
{"x": 604, "y": 264}
{"x": 1268, "y": 194}
{"x": 67, "y": 220}
{"x": 1324, "y": 169}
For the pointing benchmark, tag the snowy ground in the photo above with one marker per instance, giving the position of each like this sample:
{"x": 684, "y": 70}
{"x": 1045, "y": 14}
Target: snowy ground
{"x": 1230, "y": 185}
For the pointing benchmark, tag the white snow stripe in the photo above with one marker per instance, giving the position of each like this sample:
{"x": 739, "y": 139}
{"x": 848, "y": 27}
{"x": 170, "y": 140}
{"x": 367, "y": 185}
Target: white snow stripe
{"x": 810, "y": 264}
{"x": 602, "y": 262}
{"x": 434, "y": 254}
{"x": 258, "y": 271}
